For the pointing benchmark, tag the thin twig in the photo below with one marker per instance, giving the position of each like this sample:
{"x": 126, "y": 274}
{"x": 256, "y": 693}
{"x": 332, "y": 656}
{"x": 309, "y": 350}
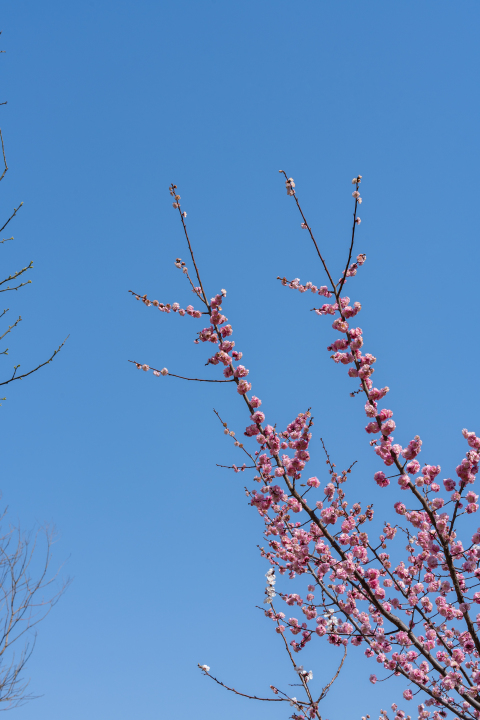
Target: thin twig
{"x": 327, "y": 687}
{"x": 10, "y": 327}
{"x": 250, "y": 697}
{"x": 4, "y": 158}
{"x": 11, "y": 217}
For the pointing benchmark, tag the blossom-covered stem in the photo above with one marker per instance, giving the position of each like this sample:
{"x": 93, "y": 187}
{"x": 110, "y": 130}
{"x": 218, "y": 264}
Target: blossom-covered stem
{"x": 167, "y": 307}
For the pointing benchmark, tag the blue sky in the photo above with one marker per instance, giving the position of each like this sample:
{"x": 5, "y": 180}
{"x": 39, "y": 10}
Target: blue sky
{"x": 109, "y": 102}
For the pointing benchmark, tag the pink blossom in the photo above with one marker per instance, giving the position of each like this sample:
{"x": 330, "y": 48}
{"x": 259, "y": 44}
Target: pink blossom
{"x": 340, "y": 325}
{"x": 243, "y": 387}
{"x": 413, "y": 467}
{"x": 381, "y": 479}
{"x": 258, "y": 417}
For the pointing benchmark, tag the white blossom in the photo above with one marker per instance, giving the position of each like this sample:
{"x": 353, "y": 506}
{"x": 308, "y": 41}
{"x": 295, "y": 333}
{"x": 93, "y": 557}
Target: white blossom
{"x": 270, "y": 593}
{"x": 303, "y": 673}
{"x": 332, "y": 621}
{"x": 270, "y": 575}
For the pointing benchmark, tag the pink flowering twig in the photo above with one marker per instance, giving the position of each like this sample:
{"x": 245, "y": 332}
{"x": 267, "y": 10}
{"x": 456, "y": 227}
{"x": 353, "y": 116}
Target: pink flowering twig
{"x": 164, "y": 371}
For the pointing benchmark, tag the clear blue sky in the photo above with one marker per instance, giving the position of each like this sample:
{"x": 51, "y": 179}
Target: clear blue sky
{"x": 109, "y": 102}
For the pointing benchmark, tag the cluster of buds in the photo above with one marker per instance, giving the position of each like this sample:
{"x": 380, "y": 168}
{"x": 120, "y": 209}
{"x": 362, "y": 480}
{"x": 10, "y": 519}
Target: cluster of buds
{"x": 352, "y": 269}
{"x": 231, "y": 433}
{"x": 356, "y": 181}
{"x": 181, "y": 265}
{"x": 146, "y": 368}
{"x": 176, "y": 204}
{"x": 290, "y": 185}
{"x": 173, "y": 193}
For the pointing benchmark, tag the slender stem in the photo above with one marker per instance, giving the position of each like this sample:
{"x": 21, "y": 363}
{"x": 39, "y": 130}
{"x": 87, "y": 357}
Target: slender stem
{"x": 139, "y": 365}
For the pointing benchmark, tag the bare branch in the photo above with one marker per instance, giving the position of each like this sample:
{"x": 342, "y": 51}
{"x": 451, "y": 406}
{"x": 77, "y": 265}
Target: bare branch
{"x": 4, "y": 158}
{"x": 11, "y": 218}
{"x": 20, "y": 377}
{"x": 15, "y": 275}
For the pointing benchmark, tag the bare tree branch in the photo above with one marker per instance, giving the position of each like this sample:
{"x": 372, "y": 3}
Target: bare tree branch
{"x": 20, "y": 377}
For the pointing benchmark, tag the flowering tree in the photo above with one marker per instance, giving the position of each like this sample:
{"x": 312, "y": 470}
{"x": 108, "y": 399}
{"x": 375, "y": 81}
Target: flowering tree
{"x": 412, "y": 614}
